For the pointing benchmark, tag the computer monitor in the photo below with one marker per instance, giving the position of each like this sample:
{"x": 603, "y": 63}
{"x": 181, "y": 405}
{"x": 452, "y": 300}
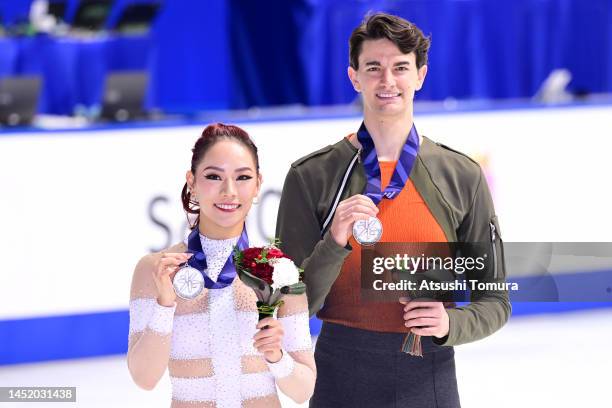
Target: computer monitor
{"x": 124, "y": 94}
{"x": 19, "y": 100}
{"x": 57, "y": 8}
{"x": 137, "y": 16}
{"x": 91, "y": 15}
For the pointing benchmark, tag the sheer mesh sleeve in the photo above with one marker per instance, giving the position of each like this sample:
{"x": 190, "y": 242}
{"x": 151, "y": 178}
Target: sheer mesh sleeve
{"x": 295, "y": 373}
{"x": 150, "y": 327}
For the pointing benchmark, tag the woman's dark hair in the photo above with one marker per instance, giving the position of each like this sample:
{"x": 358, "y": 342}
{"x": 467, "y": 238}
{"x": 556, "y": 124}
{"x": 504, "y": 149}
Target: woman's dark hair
{"x": 407, "y": 36}
{"x": 210, "y": 136}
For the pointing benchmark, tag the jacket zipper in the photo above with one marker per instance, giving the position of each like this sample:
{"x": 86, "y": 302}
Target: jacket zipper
{"x": 340, "y": 190}
{"x": 493, "y": 238}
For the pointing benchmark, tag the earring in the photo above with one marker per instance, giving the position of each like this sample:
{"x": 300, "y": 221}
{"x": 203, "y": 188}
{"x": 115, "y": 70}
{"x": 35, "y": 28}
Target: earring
{"x": 194, "y": 198}
{"x": 256, "y": 200}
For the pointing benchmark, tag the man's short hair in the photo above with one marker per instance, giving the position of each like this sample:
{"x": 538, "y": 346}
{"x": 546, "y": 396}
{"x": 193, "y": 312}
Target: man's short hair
{"x": 404, "y": 34}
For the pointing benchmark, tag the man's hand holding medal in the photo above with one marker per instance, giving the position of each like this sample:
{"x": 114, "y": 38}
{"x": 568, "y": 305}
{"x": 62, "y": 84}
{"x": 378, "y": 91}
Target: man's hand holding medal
{"x": 356, "y": 216}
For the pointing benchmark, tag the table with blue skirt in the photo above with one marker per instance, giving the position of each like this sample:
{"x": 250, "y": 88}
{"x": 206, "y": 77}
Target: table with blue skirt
{"x": 73, "y": 70}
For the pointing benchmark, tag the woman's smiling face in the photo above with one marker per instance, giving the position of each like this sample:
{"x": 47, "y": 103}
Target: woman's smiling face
{"x": 225, "y": 183}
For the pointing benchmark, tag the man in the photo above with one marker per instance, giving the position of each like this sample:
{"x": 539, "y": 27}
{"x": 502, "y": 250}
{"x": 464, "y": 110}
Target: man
{"x": 420, "y": 191}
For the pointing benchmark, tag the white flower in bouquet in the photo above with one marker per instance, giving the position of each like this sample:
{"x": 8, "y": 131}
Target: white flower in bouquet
{"x": 285, "y": 273}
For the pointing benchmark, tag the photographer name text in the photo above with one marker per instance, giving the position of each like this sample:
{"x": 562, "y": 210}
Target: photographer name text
{"x": 474, "y": 285}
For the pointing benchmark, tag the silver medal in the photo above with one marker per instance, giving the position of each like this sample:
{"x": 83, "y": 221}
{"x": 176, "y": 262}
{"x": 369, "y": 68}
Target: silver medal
{"x": 367, "y": 232}
{"x": 188, "y": 283}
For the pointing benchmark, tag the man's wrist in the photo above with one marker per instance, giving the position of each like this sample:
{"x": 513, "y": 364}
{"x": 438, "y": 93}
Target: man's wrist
{"x": 337, "y": 240}
{"x": 446, "y": 319}
{"x": 441, "y": 335}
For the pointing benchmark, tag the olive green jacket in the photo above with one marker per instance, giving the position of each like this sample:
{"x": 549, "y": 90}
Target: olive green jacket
{"x": 451, "y": 184}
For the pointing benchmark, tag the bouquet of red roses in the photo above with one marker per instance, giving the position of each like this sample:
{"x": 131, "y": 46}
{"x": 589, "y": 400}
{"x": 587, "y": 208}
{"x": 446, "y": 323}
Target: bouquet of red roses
{"x": 271, "y": 274}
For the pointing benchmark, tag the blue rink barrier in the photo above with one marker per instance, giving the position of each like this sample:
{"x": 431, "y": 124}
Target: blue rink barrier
{"x": 70, "y": 336}
{"x": 97, "y": 334}
{"x": 63, "y": 337}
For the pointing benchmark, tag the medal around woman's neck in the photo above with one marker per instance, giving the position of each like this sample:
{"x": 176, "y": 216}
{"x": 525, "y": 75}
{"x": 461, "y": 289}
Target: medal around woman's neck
{"x": 191, "y": 278}
{"x": 188, "y": 282}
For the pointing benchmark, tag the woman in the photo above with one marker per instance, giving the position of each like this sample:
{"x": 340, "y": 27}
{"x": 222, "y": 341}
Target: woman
{"x": 216, "y": 351}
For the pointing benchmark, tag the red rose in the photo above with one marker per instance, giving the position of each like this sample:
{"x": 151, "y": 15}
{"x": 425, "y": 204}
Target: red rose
{"x": 248, "y": 257}
{"x": 275, "y": 253}
{"x": 261, "y": 270}
{"x": 250, "y": 254}
{"x": 264, "y": 272}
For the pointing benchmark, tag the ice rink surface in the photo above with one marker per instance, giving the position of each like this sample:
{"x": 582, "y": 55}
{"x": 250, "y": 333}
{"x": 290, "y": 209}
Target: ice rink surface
{"x": 553, "y": 360}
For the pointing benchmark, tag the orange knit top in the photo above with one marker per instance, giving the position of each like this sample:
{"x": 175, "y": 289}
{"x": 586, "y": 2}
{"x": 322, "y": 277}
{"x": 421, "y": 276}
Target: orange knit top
{"x": 406, "y": 218}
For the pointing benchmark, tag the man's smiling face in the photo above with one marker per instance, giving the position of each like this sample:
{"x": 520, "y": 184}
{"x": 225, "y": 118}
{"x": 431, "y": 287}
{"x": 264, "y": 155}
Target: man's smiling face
{"x": 387, "y": 78}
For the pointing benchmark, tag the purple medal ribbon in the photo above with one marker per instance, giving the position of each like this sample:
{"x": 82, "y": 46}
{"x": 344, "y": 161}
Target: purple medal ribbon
{"x": 198, "y": 260}
{"x": 372, "y": 168}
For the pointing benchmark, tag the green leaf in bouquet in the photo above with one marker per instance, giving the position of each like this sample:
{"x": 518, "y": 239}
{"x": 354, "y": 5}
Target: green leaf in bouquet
{"x": 276, "y": 296}
{"x": 267, "y": 309}
{"x": 262, "y": 289}
{"x": 275, "y": 242}
{"x": 295, "y": 289}
{"x": 264, "y": 257}
{"x": 238, "y": 257}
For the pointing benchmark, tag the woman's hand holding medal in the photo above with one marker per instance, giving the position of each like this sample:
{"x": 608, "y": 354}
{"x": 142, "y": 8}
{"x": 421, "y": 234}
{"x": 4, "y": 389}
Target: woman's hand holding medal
{"x": 166, "y": 268}
{"x": 357, "y": 207}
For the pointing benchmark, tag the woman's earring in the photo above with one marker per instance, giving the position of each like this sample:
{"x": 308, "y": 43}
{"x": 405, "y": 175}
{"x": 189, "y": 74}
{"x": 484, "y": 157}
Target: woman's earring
{"x": 256, "y": 200}
{"x": 194, "y": 198}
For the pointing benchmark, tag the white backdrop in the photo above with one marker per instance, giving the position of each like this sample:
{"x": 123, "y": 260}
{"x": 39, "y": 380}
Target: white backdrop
{"x": 79, "y": 208}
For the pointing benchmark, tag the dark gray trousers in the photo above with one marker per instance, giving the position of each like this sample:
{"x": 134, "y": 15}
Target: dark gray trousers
{"x": 360, "y": 368}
